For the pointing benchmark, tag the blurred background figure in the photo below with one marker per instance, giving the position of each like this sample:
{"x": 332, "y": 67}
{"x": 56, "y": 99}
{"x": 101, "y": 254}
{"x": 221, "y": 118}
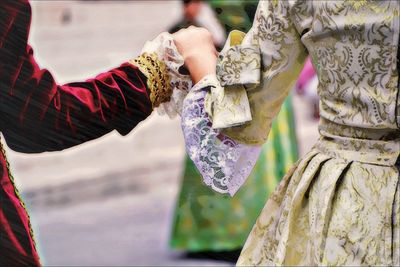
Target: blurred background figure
{"x": 307, "y": 86}
{"x": 190, "y": 14}
{"x": 235, "y": 15}
{"x": 198, "y": 13}
{"x": 208, "y": 224}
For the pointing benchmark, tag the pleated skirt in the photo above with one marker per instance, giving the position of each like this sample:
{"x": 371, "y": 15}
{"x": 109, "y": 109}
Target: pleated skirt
{"x": 332, "y": 211}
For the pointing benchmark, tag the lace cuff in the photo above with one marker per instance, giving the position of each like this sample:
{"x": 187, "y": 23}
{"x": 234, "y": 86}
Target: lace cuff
{"x": 161, "y": 62}
{"x": 223, "y": 163}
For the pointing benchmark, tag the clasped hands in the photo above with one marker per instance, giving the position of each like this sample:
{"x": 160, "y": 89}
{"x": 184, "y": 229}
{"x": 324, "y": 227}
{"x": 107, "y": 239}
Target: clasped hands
{"x": 198, "y": 51}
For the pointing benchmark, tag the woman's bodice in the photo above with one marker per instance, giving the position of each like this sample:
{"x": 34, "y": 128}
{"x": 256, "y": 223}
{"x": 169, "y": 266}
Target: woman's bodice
{"x": 354, "y": 47}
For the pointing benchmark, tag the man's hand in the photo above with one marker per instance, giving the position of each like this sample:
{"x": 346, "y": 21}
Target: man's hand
{"x": 197, "y": 48}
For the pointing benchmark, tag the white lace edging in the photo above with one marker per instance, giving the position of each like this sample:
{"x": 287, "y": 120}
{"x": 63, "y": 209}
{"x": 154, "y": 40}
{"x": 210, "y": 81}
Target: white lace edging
{"x": 163, "y": 45}
{"x": 223, "y": 163}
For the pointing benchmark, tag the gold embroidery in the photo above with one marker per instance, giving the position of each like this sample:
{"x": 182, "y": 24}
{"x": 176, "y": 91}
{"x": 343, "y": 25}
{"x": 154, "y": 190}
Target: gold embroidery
{"x": 158, "y": 80}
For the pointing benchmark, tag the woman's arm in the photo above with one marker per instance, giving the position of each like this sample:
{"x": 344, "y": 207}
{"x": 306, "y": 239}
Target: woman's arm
{"x": 276, "y": 35}
{"x": 37, "y": 114}
{"x": 276, "y": 31}
{"x": 267, "y": 62}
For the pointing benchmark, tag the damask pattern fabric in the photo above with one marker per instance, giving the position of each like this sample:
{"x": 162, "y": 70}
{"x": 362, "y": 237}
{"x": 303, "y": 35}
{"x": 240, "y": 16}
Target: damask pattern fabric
{"x": 228, "y": 108}
{"x": 339, "y": 205}
{"x": 329, "y": 211}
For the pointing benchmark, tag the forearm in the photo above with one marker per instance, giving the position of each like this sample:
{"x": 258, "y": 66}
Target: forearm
{"x": 282, "y": 58}
{"x": 39, "y": 115}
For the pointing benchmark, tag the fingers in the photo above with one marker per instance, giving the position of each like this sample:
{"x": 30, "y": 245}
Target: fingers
{"x": 197, "y": 48}
{"x": 192, "y": 39}
{"x": 194, "y": 31}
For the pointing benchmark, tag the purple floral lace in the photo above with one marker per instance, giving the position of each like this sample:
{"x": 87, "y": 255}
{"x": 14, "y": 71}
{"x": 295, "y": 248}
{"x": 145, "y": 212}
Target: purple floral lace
{"x": 223, "y": 163}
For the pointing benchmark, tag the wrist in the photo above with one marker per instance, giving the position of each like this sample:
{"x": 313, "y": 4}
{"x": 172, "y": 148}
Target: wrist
{"x": 200, "y": 65}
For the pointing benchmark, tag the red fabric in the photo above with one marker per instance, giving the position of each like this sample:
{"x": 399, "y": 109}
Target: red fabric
{"x": 37, "y": 115}
{"x": 16, "y": 245}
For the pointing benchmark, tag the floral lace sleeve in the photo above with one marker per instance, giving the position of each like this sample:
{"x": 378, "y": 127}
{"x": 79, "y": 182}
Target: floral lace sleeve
{"x": 223, "y": 163}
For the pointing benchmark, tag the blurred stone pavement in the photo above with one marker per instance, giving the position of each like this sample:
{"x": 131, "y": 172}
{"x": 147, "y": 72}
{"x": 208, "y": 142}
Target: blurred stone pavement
{"x": 110, "y": 201}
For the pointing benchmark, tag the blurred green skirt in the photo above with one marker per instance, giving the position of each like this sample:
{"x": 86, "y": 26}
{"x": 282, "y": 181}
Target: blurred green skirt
{"x": 208, "y": 221}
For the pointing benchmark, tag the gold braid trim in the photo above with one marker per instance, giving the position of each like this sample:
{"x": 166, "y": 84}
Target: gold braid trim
{"x": 158, "y": 80}
{"x": 3, "y": 151}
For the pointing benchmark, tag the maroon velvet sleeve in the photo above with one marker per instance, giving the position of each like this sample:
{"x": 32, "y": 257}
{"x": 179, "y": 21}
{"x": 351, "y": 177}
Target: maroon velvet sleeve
{"x": 37, "y": 114}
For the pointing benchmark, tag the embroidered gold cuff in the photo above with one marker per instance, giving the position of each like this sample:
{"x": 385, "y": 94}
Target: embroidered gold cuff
{"x": 158, "y": 80}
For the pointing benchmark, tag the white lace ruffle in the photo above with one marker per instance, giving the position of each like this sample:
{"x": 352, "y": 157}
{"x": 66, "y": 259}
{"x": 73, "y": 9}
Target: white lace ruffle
{"x": 223, "y": 163}
{"x": 163, "y": 45}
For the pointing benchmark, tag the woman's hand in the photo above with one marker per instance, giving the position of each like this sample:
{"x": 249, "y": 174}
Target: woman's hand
{"x": 197, "y": 48}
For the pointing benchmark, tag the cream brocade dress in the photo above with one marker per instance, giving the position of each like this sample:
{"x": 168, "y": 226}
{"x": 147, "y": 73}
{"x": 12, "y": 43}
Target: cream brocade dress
{"x": 340, "y": 204}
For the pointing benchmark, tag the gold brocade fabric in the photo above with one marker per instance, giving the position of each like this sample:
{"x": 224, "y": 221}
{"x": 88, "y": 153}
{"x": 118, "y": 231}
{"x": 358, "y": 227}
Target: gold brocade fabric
{"x": 331, "y": 212}
{"x": 340, "y": 205}
{"x": 227, "y": 104}
{"x": 158, "y": 80}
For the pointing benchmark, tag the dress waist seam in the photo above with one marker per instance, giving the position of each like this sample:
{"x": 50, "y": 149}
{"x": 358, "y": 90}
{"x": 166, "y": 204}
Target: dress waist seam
{"x": 385, "y": 153}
